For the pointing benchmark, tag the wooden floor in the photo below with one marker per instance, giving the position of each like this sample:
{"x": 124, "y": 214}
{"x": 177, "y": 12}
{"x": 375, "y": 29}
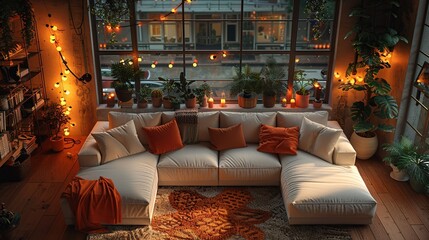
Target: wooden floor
{"x": 401, "y": 213}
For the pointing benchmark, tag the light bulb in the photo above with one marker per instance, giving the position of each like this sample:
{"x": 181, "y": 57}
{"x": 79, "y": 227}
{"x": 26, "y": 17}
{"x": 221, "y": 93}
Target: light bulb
{"x": 54, "y": 28}
{"x": 69, "y": 108}
{"x": 297, "y": 60}
{"x": 66, "y": 133}
{"x": 57, "y": 85}
{"x": 153, "y": 65}
{"x": 130, "y": 62}
{"x": 67, "y": 92}
{"x": 224, "y": 54}
{"x": 59, "y": 49}
{"x": 63, "y": 103}
{"x": 337, "y": 75}
{"x": 64, "y": 78}
{"x": 67, "y": 112}
{"x": 73, "y": 124}
{"x": 195, "y": 64}
{"x": 352, "y": 81}
{"x": 212, "y": 57}
{"x": 173, "y": 10}
{"x": 52, "y": 40}
{"x": 170, "y": 65}
{"x": 139, "y": 59}
{"x": 67, "y": 71}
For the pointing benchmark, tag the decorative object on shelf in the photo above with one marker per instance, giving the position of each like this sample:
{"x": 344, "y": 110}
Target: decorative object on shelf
{"x": 156, "y": 97}
{"x": 292, "y": 103}
{"x": 143, "y": 95}
{"x": 284, "y": 102}
{"x": 186, "y": 92}
{"x": 317, "y": 103}
{"x": 111, "y": 13}
{"x": 271, "y": 82}
{"x": 202, "y": 92}
{"x": 210, "y": 102}
{"x": 54, "y": 116}
{"x": 408, "y": 162}
{"x": 246, "y": 84}
{"x": 168, "y": 88}
{"x": 8, "y": 219}
{"x": 124, "y": 73}
{"x": 373, "y": 47}
{"x": 301, "y": 87}
{"x": 223, "y": 100}
{"x": 23, "y": 9}
{"x": 110, "y": 101}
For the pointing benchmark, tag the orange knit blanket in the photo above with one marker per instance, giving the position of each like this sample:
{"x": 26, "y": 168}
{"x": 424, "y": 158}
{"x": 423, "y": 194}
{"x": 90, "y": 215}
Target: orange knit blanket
{"x": 93, "y": 202}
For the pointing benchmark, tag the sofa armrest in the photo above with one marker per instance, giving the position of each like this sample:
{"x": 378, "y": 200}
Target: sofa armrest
{"x": 344, "y": 153}
{"x": 90, "y": 155}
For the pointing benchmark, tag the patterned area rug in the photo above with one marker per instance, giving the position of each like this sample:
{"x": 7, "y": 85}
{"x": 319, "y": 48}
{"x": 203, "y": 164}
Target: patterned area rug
{"x": 221, "y": 213}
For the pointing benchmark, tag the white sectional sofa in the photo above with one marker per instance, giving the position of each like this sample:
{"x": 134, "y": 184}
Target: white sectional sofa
{"x": 314, "y": 191}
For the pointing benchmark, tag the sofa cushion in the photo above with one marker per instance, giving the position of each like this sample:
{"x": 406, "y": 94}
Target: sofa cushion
{"x": 135, "y": 178}
{"x": 140, "y": 120}
{"x": 344, "y": 153}
{"x": 118, "y": 142}
{"x": 163, "y": 138}
{"x": 248, "y": 167}
{"x": 317, "y": 139}
{"x": 278, "y": 139}
{"x": 227, "y": 138}
{"x": 89, "y": 155}
{"x": 315, "y": 191}
{"x": 249, "y": 121}
{"x": 294, "y": 119}
{"x": 194, "y": 164}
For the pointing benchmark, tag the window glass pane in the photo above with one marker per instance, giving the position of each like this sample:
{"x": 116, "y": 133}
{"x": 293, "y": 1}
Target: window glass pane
{"x": 314, "y": 67}
{"x": 117, "y": 38}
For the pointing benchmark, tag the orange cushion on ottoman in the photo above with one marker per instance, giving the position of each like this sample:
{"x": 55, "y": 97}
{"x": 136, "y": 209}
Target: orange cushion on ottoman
{"x": 278, "y": 139}
{"x": 227, "y": 138}
{"x": 164, "y": 138}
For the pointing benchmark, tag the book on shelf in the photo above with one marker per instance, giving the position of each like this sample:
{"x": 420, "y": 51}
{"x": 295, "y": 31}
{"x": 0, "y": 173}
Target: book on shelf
{"x": 4, "y": 145}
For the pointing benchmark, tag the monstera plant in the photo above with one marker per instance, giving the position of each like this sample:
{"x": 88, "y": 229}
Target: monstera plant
{"x": 373, "y": 43}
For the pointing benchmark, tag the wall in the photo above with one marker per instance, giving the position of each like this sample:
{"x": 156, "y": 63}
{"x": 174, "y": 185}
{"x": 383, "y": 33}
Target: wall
{"x": 341, "y": 101}
{"x": 77, "y": 50}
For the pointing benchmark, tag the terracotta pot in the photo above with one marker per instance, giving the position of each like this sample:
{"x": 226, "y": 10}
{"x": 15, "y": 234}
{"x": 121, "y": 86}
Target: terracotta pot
{"x": 269, "y": 101}
{"x": 57, "y": 143}
{"x": 124, "y": 95}
{"x": 365, "y": 146}
{"x": 245, "y": 102}
{"x": 191, "y": 103}
{"x": 167, "y": 103}
{"x": 302, "y": 101}
{"x": 142, "y": 104}
{"x": 157, "y": 102}
{"x": 399, "y": 175}
{"x": 317, "y": 104}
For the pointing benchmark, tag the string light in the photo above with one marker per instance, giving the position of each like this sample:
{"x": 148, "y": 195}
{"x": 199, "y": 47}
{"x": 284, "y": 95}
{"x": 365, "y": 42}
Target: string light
{"x": 195, "y": 63}
{"x": 171, "y": 64}
{"x": 54, "y": 28}
{"x": 337, "y": 74}
{"x": 52, "y": 38}
{"x": 59, "y": 48}
{"x": 57, "y": 85}
{"x": 213, "y": 57}
{"x": 154, "y": 63}
{"x": 139, "y": 59}
{"x": 67, "y": 72}
{"x": 64, "y": 78}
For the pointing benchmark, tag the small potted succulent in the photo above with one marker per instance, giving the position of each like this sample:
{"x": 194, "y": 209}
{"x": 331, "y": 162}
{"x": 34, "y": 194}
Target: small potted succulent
{"x": 55, "y": 117}
{"x": 168, "y": 89}
{"x": 143, "y": 96}
{"x": 301, "y": 87}
{"x": 156, "y": 96}
{"x": 8, "y": 219}
{"x": 186, "y": 92}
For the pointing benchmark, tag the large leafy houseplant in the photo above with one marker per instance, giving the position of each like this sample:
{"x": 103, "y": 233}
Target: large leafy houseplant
{"x": 373, "y": 40}
{"x": 246, "y": 84}
{"x": 9, "y": 9}
{"x": 124, "y": 74}
{"x": 54, "y": 116}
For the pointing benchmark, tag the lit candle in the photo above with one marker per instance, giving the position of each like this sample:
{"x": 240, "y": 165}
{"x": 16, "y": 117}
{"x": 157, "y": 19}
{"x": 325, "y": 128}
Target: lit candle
{"x": 210, "y": 102}
{"x": 292, "y": 103}
{"x": 284, "y": 102}
{"x": 317, "y": 91}
{"x": 111, "y": 100}
{"x": 223, "y": 100}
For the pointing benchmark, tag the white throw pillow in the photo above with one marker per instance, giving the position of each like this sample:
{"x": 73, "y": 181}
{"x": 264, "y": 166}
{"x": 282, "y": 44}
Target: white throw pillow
{"x": 141, "y": 120}
{"x": 294, "y": 119}
{"x": 318, "y": 139}
{"x": 118, "y": 142}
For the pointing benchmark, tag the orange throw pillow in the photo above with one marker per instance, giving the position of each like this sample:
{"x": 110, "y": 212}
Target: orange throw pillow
{"x": 278, "y": 139}
{"x": 164, "y": 138}
{"x": 227, "y": 138}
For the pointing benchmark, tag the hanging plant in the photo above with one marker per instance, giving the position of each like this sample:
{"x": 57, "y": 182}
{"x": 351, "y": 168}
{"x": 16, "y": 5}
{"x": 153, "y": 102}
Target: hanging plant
{"x": 319, "y": 12}
{"x": 111, "y": 13}
{"x": 22, "y": 9}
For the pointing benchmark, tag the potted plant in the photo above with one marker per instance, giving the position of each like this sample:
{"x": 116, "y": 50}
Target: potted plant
{"x": 156, "y": 96}
{"x": 418, "y": 169}
{"x": 317, "y": 103}
{"x": 302, "y": 89}
{"x": 395, "y": 158}
{"x": 373, "y": 42}
{"x": 54, "y": 116}
{"x": 271, "y": 77}
{"x": 186, "y": 92}
{"x": 168, "y": 89}
{"x": 143, "y": 95}
{"x": 202, "y": 92}
{"x": 23, "y": 9}
{"x": 246, "y": 84}
{"x": 8, "y": 219}
{"x": 124, "y": 73}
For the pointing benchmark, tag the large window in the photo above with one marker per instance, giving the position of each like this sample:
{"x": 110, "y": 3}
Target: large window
{"x": 219, "y": 39}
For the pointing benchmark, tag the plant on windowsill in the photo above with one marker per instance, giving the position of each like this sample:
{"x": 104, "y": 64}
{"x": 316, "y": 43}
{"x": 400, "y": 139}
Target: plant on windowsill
{"x": 302, "y": 88}
{"x": 373, "y": 43}
{"x": 246, "y": 84}
{"x": 143, "y": 96}
{"x": 185, "y": 91}
{"x": 23, "y": 9}
{"x": 168, "y": 87}
{"x": 53, "y": 114}
{"x": 271, "y": 82}
{"x": 8, "y": 219}
{"x": 202, "y": 92}
{"x": 124, "y": 74}
{"x": 156, "y": 97}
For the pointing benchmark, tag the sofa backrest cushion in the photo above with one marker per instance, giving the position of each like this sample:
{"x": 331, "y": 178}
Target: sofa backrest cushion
{"x": 205, "y": 120}
{"x": 118, "y": 142}
{"x": 251, "y": 122}
{"x": 227, "y": 138}
{"x": 278, "y": 139}
{"x": 294, "y": 119}
{"x": 164, "y": 138}
{"x": 140, "y": 120}
{"x": 318, "y": 139}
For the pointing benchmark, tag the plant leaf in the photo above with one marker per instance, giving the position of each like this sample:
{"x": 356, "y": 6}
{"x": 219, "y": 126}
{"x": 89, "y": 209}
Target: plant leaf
{"x": 360, "y": 112}
{"x": 386, "y": 107}
{"x": 362, "y": 127}
{"x": 386, "y": 127}
{"x": 380, "y": 86}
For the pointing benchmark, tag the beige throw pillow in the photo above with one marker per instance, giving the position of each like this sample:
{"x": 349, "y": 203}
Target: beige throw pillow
{"x": 318, "y": 139}
{"x": 118, "y": 142}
